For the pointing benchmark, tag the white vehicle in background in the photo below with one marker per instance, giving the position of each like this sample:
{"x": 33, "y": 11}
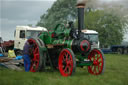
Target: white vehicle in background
{"x": 92, "y": 36}
{"x": 22, "y": 33}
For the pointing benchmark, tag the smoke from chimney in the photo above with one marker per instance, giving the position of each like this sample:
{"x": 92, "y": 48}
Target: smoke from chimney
{"x": 81, "y": 2}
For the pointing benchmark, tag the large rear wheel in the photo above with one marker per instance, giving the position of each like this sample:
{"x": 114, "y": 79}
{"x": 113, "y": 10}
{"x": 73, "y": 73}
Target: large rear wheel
{"x": 38, "y": 56}
{"x": 97, "y": 57}
{"x": 67, "y": 62}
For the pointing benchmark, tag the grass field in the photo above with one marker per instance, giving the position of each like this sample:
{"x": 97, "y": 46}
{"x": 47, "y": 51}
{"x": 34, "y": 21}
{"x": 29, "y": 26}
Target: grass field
{"x": 116, "y": 73}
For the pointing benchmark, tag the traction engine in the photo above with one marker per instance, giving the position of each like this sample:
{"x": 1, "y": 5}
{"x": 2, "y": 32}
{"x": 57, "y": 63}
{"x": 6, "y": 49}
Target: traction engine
{"x": 65, "y": 48}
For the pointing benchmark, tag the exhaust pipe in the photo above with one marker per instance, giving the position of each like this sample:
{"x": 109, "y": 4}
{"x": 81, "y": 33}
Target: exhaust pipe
{"x": 80, "y": 6}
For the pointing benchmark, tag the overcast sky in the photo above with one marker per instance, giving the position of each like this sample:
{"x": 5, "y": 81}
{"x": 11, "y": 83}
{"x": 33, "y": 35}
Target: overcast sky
{"x": 20, "y": 12}
{"x": 23, "y": 12}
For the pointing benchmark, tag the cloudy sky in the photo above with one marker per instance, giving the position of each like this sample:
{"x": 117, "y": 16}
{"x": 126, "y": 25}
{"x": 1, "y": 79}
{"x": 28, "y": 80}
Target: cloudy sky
{"x": 24, "y": 12}
{"x": 20, "y": 12}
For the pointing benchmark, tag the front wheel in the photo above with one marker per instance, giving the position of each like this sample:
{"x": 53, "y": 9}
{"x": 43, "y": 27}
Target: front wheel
{"x": 98, "y": 59}
{"x": 67, "y": 62}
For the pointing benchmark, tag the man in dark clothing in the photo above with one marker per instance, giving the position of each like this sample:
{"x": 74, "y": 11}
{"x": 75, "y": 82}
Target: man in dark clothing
{"x": 27, "y": 61}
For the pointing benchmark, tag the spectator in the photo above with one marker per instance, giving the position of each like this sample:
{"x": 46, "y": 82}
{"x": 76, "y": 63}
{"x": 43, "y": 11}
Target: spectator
{"x": 26, "y": 56}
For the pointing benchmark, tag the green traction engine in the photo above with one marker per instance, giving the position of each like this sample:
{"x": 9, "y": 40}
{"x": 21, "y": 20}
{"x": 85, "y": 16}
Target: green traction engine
{"x": 65, "y": 48}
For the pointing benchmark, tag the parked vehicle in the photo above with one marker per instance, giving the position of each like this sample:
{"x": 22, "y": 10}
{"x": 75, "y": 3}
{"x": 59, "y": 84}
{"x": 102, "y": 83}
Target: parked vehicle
{"x": 120, "y": 49}
{"x": 5, "y": 45}
{"x": 21, "y": 34}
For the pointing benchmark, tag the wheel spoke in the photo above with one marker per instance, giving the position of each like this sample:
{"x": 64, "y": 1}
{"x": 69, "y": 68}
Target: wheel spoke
{"x": 98, "y": 58}
{"x": 70, "y": 62}
{"x": 64, "y": 58}
{"x": 99, "y": 68}
{"x": 94, "y": 69}
{"x": 69, "y": 69}
{"x": 100, "y": 62}
{"x": 66, "y": 54}
{"x": 65, "y": 70}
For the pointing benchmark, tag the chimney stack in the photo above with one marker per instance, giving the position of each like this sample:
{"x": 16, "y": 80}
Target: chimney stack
{"x": 80, "y": 6}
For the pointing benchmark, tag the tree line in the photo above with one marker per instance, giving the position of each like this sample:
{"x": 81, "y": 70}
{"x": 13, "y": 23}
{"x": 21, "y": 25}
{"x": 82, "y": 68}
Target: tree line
{"x": 108, "y": 22}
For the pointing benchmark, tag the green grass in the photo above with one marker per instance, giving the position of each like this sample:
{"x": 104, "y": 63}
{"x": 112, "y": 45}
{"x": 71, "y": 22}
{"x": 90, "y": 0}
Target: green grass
{"x": 116, "y": 73}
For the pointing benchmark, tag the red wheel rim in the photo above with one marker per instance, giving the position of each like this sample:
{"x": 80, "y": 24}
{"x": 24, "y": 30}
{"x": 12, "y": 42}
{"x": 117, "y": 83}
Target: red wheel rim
{"x": 97, "y": 58}
{"x": 65, "y": 63}
{"x": 35, "y": 61}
